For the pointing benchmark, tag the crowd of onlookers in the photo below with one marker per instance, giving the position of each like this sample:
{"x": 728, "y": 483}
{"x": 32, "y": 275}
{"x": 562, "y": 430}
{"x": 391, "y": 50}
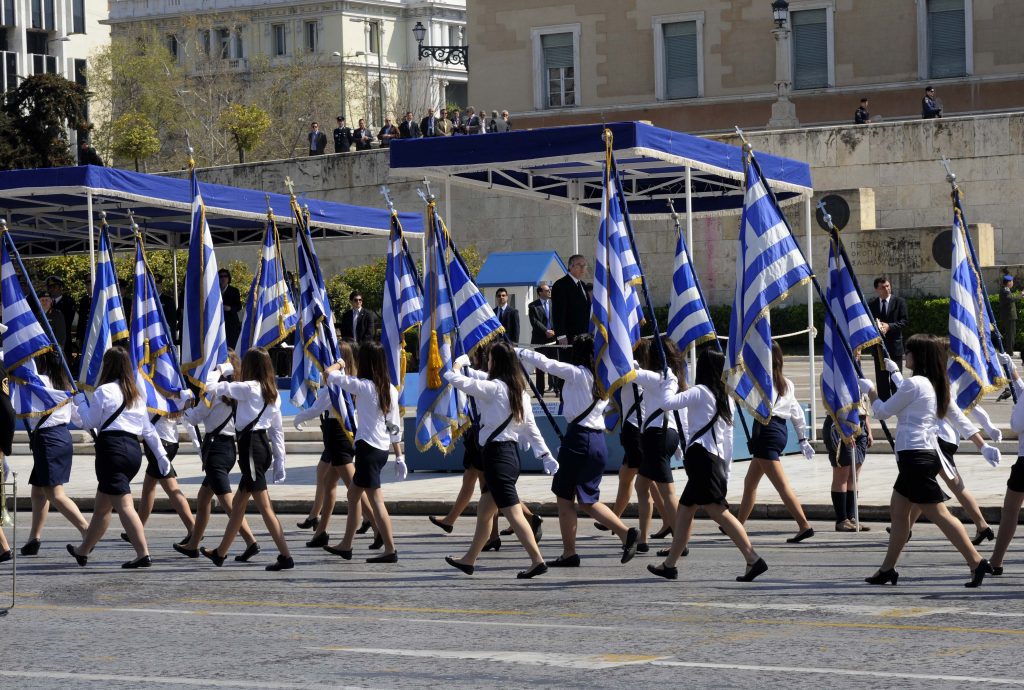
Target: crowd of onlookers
{"x": 445, "y": 123}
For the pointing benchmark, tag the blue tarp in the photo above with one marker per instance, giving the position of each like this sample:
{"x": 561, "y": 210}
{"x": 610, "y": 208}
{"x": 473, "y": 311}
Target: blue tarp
{"x": 517, "y": 268}
{"x": 565, "y": 163}
{"x": 48, "y": 210}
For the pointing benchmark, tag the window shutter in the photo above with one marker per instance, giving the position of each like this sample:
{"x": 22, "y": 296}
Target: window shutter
{"x": 558, "y": 50}
{"x": 681, "y": 60}
{"x": 947, "y": 39}
{"x": 810, "y": 49}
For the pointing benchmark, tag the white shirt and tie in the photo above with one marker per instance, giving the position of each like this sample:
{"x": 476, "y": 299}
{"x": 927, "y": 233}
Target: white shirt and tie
{"x": 355, "y": 322}
{"x": 546, "y": 303}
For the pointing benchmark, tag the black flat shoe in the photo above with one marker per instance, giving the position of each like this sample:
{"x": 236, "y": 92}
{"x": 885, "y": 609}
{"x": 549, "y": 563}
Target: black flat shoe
{"x": 572, "y": 561}
{"x": 124, "y": 538}
{"x": 365, "y": 527}
{"x": 664, "y": 571}
{"x": 662, "y": 533}
{"x": 493, "y": 545}
{"x": 643, "y": 548}
{"x": 888, "y": 530}
{"x": 507, "y": 532}
{"x": 883, "y": 577}
{"x": 629, "y": 548}
{"x": 282, "y": 563}
{"x": 467, "y": 569}
{"x": 663, "y": 553}
{"x": 978, "y": 574}
{"x": 384, "y": 558}
{"x": 806, "y": 534}
{"x": 191, "y": 553}
{"x": 6, "y": 556}
{"x": 143, "y": 562}
{"x": 250, "y": 551}
{"x": 756, "y": 568}
{"x": 377, "y": 543}
{"x": 532, "y": 572}
{"x": 186, "y": 540}
{"x": 344, "y": 553}
{"x": 31, "y": 547}
{"x": 319, "y": 540}
{"x": 214, "y": 556}
{"x": 434, "y": 521}
{"x": 537, "y": 525}
{"x": 308, "y": 523}
{"x": 601, "y": 528}
{"x": 997, "y": 570}
{"x": 984, "y": 535}
{"x": 82, "y": 560}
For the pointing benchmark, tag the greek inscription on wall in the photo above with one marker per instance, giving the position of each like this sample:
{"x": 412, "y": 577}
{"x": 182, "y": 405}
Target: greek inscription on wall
{"x": 890, "y": 254}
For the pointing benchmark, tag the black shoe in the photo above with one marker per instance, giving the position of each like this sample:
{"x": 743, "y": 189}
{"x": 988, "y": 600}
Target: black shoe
{"x": 984, "y": 535}
{"x": 642, "y": 548}
{"x": 467, "y": 569}
{"x": 282, "y": 563}
{"x": 507, "y": 532}
{"x": 384, "y": 558}
{"x": 663, "y": 553}
{"x": 31, "y": 547}
{"x": 319, "y": 540}
{"x": 250, "y": 551}
{"x": 191, "y": 553}
{"x": 493, "y": 545}
{"x": 662, "y": 533}
{"x": 5, "y": 556}
{"x": 344, "y": 553}
{"x": 82, "y": 560}
{"x": 883, "y": 577}
{"x": 978, "y": 574}
{"x": 124, "y": 537}
{"x": 308, "y": 523}
{"x": 377, "y": 543}
{"x": 186, "y": 540}
{"x": 629, "y": 548}
{"x": 806, "y": 534}
{"x": 997, "y": 570}
{"x": 214, "y": 556}
{"x": 143, "y": 562}
{"x": 601, "y": 528}
{"x": 365, "y": 527}
{"x": 664, "y": 571}
{"x": 1004, "y": 395}
{"x": 532, "y": 572}
{"x": 433, "y": 520}
{"x": 910, "y": 534}
{"x": 756, "y": 568}
{"x": 572, "y": 561}
{"x": 537, "y": 525}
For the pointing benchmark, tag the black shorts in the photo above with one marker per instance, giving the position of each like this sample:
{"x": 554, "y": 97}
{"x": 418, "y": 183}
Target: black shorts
{"x": 219, "y": 455}
{"x": 659, "y": 445}
{"x": 152, "y": 468}
{"x": 52, "y": 452}
{"x": 840, "y": 454}
{"x": 118, "y": 460}
{"x": 581, "y": 462}
{"x": 369, "y": 463}
{"x": 254, "y": 459}
{"x": 338, "y": 449}
{"x": 1016, "y": 480}
{"x": 471, "y": 453}
{"x": 916, "y": 480}
{"x": 767, "y": 441}
{"x": 632, "y": 449}
{"x": 706, "y": 478}
{"x": 501, "y": 472}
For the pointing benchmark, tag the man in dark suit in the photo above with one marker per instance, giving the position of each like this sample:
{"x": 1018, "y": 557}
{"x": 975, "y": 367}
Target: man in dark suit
{"x": 429, "y": 126}
{"x": 890, "y": 313}
{"x": 356, "y": 322}
{"x": 507, "y": 315}
{"x": 409, "y": 129}
{"x": 342, "y": 136}
{"x": 232, "y": 301}
{"x": 65, "y": 305}
{"x": 570, "y": 306}
{"x": 317, "y": 140}
{"x": 542, "y": 329}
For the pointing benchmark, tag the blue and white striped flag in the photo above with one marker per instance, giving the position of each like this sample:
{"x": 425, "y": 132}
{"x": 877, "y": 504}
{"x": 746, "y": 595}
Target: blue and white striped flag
{"x": 269, "y": 311}
{"x": 24, "y": 340}
{"x": 689, "y": 321}
{"x": 203, "y": 343}
{"x": 768, "y": 265}
{"x": 974, "y": 369}
{"x": 477, "y": 323}
{"x": 403, "y": 302}
{"x": 613, "y": 302}
{"x": 107, "y": 322}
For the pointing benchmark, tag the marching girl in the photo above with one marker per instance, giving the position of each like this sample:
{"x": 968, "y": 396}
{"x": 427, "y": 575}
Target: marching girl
{"x": 7, "y": 421}
{"x": 167, "y": 429}
{"x": 505, "y": 412}
{"x": 918, "y": 404}
{"x": 118, "y": 413}
{"x": 218, "y": 455}
{"x": 583, "y": 454}
{"x": 1015, "y": 484}
{"x": 708, "y": 457}
{"x": 52, "y": 453}
{"x": 337, "y": 462}
{"x": 766, "y": 445}
{"x": 842, "y": 456}
{"x": 260, "y": 445}
{"x": 380, "y": 427}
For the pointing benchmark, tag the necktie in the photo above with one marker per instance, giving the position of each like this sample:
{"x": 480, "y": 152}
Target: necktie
{"x": 547, "y": 313}
{"x": 885, "y": 308}
{"x": 355, "y": 320}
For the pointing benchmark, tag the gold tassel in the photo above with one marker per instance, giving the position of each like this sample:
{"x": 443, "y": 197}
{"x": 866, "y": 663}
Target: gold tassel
{"x": 403, "y": 359}
{"x": 434, "y": 363}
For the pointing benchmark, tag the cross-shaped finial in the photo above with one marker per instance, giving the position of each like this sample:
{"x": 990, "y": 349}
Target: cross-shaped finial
{"x": 131, "y": 221}
{"x": 386, "y": 193}
{"x": 950, "y": 175}
{"x": 289, "y": 184}
{"x": 672, "y": 209}
{"x": 825, "y": 215}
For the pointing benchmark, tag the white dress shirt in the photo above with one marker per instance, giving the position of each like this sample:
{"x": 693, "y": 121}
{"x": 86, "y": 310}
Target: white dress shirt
{"x": 249, "y": 395}
{"x": 166, "y": 429}
{"x": 914, "y": 404}
{"x": 577, "y": 391}
{"x": 493, "y": 403}
{"x": 373, "y": 426}
{"x": 788, "y": 407}
{"x": 654, "y": 394}
{"x": 212, "y": 416}
{"x": 320, "y": 405}
{"x": 62, "y": 415}
{"x": 699, "y": 403}
{"x": 955, "y": 425}
{"x": 133, "y": 420}
{"x": 628, "y": 398}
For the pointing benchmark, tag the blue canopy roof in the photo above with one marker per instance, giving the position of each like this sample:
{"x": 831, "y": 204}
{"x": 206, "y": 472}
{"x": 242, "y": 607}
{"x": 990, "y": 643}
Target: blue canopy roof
{"x": 564, "y": 164}
{"x": 517, "y": 268}
{"x": 48, "y": 210}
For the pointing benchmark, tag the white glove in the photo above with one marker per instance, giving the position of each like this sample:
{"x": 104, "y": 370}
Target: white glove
{"x": 279, "y": 473}
{"x": 193, "y": 436}
{"x": 164, "y": 465}
{"x": 460, "y": 362}
{"x": 6, "y": 470}
{"x": 807, "y": 449}
{"x": 401, "y": 469}
{"x": 1007, "y": 362}
{"x": 79, "y": 399}
{"x": 297, "y": 423}
{"x": 550, "y": 464}
{"x": 991, "y": 455}
{"x": 891, "y": 366}
{"x": 994, "y": 433}
{"x": 678, "y": 454}
{"x": 865, "y": 386}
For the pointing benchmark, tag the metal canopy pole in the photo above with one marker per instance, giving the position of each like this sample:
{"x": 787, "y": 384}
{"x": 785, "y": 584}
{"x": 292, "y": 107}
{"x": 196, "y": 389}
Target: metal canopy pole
{"x": 813, "y": 431}
{"x": 689, "y": 245}
{"x": 447, "y": 199}
{"x": 575, "y": 194}
{"x": 174, "y": 266}
{"x": 92, "y": 238}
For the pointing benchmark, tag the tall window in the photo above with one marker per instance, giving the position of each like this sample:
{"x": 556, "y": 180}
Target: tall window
{"x": 559, "y": 69}
{"x": 454, "y": 35}
{"x": 374, "y": 37}
{"x": 37, "y": 14}
{"x": 223, "y": 44}
{"x": 82, "y": 80}
{"x": 947, "y": 39}
{"x": 8, "y": 13}
{"x": 810, "y": 49}
{"x": 36, "y": 42}
{"x": 312, "y": 43}
{"x": 681, "y": 55}
{"x": 280, "y": 43}
{"x": 172, "y": 45}
{"x": 78, "y": 16}
{"x": 10, "y": 71}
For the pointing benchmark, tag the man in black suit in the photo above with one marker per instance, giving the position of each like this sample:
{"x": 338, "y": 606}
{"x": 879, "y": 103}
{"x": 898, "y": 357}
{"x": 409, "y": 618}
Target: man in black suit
{"x": 542, "y": 328}
{"x": 317, "y": 140}
{"x": 64, "y": 304}
{"x": 409, "y": 128}
{"x": 890, "y": 313}
{"x": 356, "y": 322}
{"x": 232, "y": 301}
{"x": 342, "y": 136}
{"x": 429, "y": 125}
{"x": 507, "y": 315}
{"x": 570, "y": 306}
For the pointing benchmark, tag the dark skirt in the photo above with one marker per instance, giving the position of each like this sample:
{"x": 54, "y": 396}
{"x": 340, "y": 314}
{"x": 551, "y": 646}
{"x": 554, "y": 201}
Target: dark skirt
{"x": 369, "y": 463}
{"x": 948, "y": 450}
{"x": 254, "y": 459}
{"x": 219, "y": 455}
{"x": 767, "y": 441}
{"x": 52, "y": 452}
{"x": 118, "y": 460}
{"x": 581, "y": 461}
{"x": 632, "y": 449}
{"x": 471, "y": 454}
{"x": 338, "y": 449}
{"x": 659, "y": 446}
{"x": 1016, "y": 480}
{"x": 916, "y": 480}
{"x": 706, "y": 478}
{"x": 501, "y": 472}
{"x": 840, "y": 454}
{"x": 152, "y": 467}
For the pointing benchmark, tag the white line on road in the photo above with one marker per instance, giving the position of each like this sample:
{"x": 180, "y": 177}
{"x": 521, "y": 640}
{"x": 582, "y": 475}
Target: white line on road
{"x": 835, "y": 671}
{"x": 845, "y": 609}
{"x": 161, "y": 680}
{"x": 577, "y": 661}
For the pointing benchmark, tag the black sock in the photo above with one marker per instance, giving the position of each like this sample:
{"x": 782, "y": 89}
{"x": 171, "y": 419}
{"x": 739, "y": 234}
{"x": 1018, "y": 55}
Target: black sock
{"x": 851, "y": 500}
{"x": 839, "y": 504}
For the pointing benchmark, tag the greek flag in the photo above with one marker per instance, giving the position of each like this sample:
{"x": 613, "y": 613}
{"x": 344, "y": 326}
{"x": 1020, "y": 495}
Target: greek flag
{"x": 203, "y": 344}
{"x": 269, "y": 312}
{"x": 107, "y": 322}
{"x": 974, "y": 369}
{"x": 475, "y": 319}
{"x": 689, "y": 321}
{"x": 403, "y": 302}
{"x": 768, "y": 265}
{"x": 24, "y": 340}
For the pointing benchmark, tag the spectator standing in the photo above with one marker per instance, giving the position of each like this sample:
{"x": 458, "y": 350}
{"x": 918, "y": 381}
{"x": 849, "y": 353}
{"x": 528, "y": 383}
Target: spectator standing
{"x": 862, "y": 116}
{"x": 507, "y": 315}
{"x": 232, "y": 301}
{"x": 492, "y": 124}
{"x": 362, "y": 136}
{"x": 444, "y": 124}
{"x": 409, "y": 128}
{"x": 342, "y": 136}
{"x": 1008, "y": 319}
{"x": 428, "y": 125}
{"x": 931, "y": 107}
{"x": 474, "y": 123}
{"x": 317, "y": 140}
{"x": 87, "y": 154}
{"x": 387, "y": 133}
{"x": 890, "y": 313}
{"x": 56, "y": 319}
{"x": 356, "y": 322}
{"x": 458, "y": 125}
{"x": 542, "y": 329}
{"x": 506, "y": 124}
{"x": 64, "y": 304}
{"x": 570, "y": 305}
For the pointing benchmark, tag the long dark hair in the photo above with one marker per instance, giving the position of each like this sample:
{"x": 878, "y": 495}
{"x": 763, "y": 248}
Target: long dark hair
{"x": 673, "y": 356}
{"x": 781, "y": 387}
{"x": 236, "y": 364}
{"x": 373, "y": 368}
{"x": 49, "y": 366}
{"x": 710, "y": 364}
{"x": 930, "y": 362}
{"x": 582, "y": 352}
{"x": 256, "y": 366}
{"x": 348, "y": 355}
{"x": 117, "y": 368}
{"x": 504, "y": 367}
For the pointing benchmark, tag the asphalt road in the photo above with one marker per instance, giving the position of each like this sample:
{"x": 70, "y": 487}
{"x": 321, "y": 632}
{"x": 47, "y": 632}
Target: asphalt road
{"x": 808, "y": 622}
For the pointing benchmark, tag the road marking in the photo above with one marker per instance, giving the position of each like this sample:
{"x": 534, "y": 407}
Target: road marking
{"x": 811, "y": 670}
{"x": 576, "y": 661}
{"x": 373, "y": 607}
{"x": 846, "y": 609}
{"x": 161, "y": 680}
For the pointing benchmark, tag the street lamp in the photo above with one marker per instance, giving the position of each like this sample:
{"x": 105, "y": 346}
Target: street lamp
{"x": 783, "y": 110}
{"x": 375, "y": 24}
{"x": 780, "y": 12}
{"x": 450, "y": 55}
{"x": 341, "y": 62}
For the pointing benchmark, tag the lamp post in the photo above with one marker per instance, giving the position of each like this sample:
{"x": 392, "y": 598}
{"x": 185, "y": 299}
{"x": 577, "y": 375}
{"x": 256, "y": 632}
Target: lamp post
{"x": 376, "y": 25}
{"x": 450, "y": 55}
{"x": 783, "y": 109}
{"x": 341, "y": 63}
